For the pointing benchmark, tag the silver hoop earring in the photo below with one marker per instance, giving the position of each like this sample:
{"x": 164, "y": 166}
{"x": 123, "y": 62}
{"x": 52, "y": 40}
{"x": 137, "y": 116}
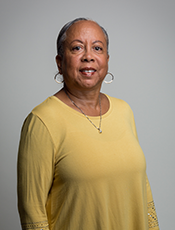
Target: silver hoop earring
{"x": 109, "y": 82}
{"x": 58, "y": 78}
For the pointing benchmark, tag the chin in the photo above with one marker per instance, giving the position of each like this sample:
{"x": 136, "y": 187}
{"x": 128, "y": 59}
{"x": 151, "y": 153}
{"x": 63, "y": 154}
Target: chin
{"x": 91, "y": 85}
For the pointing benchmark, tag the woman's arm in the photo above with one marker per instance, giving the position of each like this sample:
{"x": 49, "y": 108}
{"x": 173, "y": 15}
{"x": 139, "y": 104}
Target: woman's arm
{"x": 35, "y": 173}
{"x": 152, "y": 216}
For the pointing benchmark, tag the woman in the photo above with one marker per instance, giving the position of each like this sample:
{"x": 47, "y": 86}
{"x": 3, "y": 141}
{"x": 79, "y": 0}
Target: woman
{"x": 80, "y": 166}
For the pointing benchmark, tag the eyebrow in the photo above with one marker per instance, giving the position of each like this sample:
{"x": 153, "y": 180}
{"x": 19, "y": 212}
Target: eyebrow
{"x": 97, "y": 41}
{"x": 77, "y": 40}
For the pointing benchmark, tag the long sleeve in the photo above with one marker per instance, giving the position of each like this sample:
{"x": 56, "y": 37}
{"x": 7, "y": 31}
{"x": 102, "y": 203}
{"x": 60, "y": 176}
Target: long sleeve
{"x": 35, "y": 173}
{"x": 152, "y": 216}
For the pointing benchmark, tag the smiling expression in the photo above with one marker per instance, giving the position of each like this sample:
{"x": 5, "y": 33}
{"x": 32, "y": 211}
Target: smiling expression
{"x": 85, "y": 61}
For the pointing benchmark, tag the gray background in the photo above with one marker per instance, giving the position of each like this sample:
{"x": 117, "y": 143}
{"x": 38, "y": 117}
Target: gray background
{"x": 142, "y": 56}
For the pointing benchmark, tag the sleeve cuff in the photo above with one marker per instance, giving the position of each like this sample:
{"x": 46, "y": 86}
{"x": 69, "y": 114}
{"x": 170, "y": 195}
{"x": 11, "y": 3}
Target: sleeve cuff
{"x": 36, "y": 226}
{"x": 152, "y": 216}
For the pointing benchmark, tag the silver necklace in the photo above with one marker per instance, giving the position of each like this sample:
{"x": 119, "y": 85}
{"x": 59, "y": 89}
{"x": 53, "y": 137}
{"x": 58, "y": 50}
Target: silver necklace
{"x": 98, "y": 128}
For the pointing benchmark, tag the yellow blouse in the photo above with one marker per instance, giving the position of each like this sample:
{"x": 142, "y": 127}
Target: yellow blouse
{"x": 71, "y": 177}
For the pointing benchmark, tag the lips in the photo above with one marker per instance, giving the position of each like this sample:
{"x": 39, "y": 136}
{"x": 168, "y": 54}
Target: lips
{"x": 87, "y": 71}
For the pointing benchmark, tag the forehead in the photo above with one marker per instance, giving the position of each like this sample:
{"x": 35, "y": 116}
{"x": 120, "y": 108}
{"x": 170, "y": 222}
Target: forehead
{"x": 85, "y": 30}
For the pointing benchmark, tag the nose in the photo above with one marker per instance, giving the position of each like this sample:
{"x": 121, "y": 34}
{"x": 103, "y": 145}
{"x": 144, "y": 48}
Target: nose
{"x": 88, "y": 56}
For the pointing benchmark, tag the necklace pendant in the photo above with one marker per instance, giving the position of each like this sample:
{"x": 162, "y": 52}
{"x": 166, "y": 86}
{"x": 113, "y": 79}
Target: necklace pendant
{"x": 100, "y": 131}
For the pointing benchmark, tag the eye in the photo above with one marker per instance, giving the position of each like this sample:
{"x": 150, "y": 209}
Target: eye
{"x": 76, "y": 48}
{"x": 98, "y": 48}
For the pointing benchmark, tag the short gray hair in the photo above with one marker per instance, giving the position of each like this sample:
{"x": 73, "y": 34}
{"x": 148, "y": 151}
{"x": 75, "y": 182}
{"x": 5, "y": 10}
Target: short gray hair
{"x": 62, "y": 35}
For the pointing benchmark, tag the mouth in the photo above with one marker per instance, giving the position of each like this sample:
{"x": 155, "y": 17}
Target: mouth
{"x": 88, "y": 71}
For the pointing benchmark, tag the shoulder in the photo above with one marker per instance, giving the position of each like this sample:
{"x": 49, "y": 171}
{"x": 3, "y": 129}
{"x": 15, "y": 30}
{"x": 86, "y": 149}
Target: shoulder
{"x": 46, "y": 113}
{"x": 124, "y": 111}
{"x": 119, "y": 104}
{"x": 52, "y": 109}
{"x": 47, "y": 117}
{"x": 46, "y": 107}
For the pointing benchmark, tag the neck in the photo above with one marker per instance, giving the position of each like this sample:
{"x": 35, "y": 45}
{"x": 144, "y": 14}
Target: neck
{"x": 98, "y": 128}
{"x": 84, "y": 98}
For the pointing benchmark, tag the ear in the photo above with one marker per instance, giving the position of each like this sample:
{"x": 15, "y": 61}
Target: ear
{"x": 108, "y": 58}
{"x": 59, "y": 61}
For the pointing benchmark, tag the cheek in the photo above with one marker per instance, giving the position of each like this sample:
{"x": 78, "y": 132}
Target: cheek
{"x": 70, "y": 68}
{"x": 104, "y": 64}
{"x": 72, "y": 63}
{"x": 104, "y": 68}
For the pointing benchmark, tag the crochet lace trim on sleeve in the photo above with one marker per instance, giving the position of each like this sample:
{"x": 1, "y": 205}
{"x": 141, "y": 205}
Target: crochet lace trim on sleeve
{"x": 37, "y": 225}
{"x": 152, "y": 216}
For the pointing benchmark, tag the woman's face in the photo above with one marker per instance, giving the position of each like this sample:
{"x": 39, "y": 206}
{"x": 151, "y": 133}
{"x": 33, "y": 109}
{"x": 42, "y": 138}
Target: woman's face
{"x": 85, "y": 61}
